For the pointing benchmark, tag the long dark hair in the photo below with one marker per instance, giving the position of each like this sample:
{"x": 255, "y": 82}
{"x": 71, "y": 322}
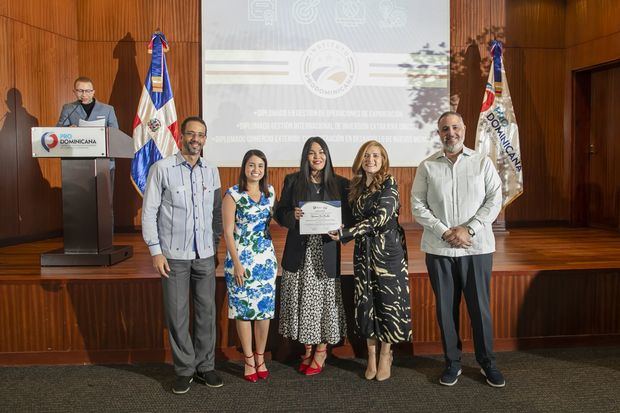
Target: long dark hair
{"x": 243, "y": 180}
{"x": 328, "y": 176}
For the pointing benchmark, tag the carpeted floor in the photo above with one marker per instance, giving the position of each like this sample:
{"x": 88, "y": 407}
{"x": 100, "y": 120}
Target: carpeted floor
{"x": 558, "y": 380}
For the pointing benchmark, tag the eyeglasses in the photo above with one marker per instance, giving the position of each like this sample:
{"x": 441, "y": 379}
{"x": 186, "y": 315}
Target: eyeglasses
{"x": 83, "y": 91}
{"x": 195, "y": 134}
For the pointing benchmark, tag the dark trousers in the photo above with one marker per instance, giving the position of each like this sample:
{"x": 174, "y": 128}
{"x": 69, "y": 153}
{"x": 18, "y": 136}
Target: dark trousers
{"x": 450, "y": 278}
{"x": 198, "y": 277}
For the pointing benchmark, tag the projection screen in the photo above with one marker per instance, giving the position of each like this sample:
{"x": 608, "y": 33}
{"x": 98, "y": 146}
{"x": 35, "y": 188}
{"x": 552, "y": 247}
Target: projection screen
{"x": 276, "y": 72}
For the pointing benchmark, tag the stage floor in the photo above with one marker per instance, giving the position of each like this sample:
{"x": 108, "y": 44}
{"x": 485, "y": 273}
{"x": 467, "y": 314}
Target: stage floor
{"x": 531, "y": 249}
{"x": 550, "y": 287}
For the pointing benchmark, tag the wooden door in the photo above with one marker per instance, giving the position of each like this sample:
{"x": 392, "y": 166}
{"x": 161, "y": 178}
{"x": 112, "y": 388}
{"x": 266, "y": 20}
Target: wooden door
{"x": 604, "y": 149}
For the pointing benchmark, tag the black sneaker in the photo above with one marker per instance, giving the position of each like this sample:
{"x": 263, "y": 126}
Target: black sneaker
{"x": 210, "y": 378}
{"x": 494, "y": 376}
{"x": 182, "y": 384}
{"x": 450, "y": 375}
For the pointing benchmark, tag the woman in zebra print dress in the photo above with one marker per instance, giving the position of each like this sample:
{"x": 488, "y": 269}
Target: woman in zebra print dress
{"x": 382, "y": 304}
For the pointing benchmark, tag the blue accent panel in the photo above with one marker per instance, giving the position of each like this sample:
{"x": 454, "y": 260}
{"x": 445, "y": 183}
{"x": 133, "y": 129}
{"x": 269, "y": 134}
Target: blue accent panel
{"x": 496, "y": 48}
{"x": 158, "y": 68}
{"x": 142, "y": 161}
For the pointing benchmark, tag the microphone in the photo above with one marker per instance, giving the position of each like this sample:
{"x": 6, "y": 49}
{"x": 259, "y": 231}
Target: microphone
{"x": 69, "y": 115}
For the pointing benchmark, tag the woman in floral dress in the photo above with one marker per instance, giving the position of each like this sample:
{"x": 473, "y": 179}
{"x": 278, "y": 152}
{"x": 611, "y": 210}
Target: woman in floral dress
{"x": 250, "y": 267}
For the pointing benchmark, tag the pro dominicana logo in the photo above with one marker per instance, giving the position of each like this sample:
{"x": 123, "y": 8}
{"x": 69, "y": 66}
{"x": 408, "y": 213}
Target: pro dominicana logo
{"x": 329, "y": 69}
{"x": 49, "y": 140}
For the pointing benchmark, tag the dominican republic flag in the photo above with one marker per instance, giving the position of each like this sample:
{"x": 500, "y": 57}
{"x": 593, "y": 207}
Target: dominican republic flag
{"x": 155, "y": 128}
{"x": 497, "y": 135}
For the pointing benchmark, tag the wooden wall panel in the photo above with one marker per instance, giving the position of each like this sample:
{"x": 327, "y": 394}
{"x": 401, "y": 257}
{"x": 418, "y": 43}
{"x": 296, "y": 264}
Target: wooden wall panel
{"x": 56, "y": 16}
{"x": 38, "y": 62}
{"x": 473, "y": 20}
{"x": 32, "y": 317}
{"x": 522, "y": 307}
{"x": 179, "y": 20}
{"x": 535, "y": 23}
{"x": 115, "y": 315}
{"x": 9, "y": 213}
{"x": 593, "y": 53}
{"x": 587, "y": 20}
{"x": 91, "y": 320}
{"x": 535, "y": 80}
{"x": 50, "y": 58}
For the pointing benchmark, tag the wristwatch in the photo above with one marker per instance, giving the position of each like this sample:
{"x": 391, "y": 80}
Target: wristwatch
{"x": 471, "y": 231}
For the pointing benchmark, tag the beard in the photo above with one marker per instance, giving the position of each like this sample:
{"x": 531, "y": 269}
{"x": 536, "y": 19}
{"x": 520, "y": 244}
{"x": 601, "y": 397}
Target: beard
{"x": 192, "y": 151}
{"x": 454, "y": 148}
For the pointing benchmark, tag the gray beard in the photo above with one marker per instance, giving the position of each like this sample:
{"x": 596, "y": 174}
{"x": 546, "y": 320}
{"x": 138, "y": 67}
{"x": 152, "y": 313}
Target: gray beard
{"x": 457, "y": 147}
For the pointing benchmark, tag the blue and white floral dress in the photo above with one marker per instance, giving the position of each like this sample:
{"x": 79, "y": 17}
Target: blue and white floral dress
{"x": 255, "y": 299}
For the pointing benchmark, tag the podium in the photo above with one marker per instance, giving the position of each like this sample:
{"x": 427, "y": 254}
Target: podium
{"x": 85, "y": 154}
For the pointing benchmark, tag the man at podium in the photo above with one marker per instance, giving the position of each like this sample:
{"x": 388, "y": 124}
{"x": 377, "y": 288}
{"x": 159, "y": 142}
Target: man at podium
{"x": 87, "y": 111}
{"x": 86, "y": 108}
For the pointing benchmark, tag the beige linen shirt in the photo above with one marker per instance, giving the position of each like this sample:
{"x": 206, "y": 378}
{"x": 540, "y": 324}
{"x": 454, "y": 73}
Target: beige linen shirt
{"x": 466, "y": 192}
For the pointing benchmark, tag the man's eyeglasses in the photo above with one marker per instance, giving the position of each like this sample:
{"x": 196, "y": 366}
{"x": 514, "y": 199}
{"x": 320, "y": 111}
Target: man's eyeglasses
{"x": 83, "y": 91}
{"x": 195, "y": 134}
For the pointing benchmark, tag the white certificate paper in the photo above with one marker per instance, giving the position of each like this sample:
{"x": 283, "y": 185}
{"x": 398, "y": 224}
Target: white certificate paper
{"x": 91, "y": 123}
{"x": 320, "y": 217}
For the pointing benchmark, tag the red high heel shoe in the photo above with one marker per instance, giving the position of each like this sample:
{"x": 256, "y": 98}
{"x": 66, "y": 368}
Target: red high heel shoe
{"x": 252, "y": 378}
{"x": 302, "y": 366}
{"x": 311, "y": 371}
{"x": 261, "y": 374}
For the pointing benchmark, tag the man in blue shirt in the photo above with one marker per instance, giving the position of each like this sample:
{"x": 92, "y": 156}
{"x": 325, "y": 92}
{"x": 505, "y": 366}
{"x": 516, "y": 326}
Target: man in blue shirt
{"x": 182, "y": 225}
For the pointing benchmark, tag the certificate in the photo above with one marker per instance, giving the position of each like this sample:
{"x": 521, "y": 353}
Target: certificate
{"x": 319, "y": 217}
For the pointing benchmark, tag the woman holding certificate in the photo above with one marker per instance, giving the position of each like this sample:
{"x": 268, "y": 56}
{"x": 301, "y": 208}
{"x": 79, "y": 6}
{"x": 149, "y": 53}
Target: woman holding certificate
{"x": 250, "y": 267}
{"x": 311, "y": 302}
{"x": 382, "y": 303}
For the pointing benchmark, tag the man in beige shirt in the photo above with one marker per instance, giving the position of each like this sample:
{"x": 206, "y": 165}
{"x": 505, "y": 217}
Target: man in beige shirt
{"x": 456, "y": 196}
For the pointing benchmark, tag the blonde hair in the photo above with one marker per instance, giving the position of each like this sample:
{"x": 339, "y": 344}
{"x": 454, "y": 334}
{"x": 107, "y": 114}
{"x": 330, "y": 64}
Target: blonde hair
{"x": 358, "y": 183}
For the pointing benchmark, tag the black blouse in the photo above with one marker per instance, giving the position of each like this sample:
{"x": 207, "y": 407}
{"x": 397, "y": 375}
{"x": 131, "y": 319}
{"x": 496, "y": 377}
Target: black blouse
{"x": 295, "y": 246}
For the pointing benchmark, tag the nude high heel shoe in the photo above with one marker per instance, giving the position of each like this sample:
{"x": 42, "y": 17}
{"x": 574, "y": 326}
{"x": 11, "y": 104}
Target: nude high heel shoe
{"x": 385, "y": 365}
{"x": 371, "y": 373}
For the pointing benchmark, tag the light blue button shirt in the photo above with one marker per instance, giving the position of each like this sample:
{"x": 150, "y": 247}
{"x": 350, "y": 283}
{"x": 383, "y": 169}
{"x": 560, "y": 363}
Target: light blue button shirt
{"x": 178, "y": 207}
{"x": 466, "y": 192}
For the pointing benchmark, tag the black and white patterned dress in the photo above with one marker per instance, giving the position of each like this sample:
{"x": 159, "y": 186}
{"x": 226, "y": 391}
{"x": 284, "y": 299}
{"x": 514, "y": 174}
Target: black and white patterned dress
{"x": 382, "y": 302}
{"x": 311, "y": 308}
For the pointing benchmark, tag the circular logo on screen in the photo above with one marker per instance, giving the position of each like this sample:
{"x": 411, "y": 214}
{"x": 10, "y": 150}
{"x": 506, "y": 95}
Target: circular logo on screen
{"x": 329, "y": 69}
{"x": 154, "y": 125}
{"x": 49, "y": 141}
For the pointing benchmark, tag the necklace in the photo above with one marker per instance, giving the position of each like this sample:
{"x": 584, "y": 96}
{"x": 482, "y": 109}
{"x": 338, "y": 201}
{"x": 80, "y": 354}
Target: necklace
{"x": 316, "y": 185}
